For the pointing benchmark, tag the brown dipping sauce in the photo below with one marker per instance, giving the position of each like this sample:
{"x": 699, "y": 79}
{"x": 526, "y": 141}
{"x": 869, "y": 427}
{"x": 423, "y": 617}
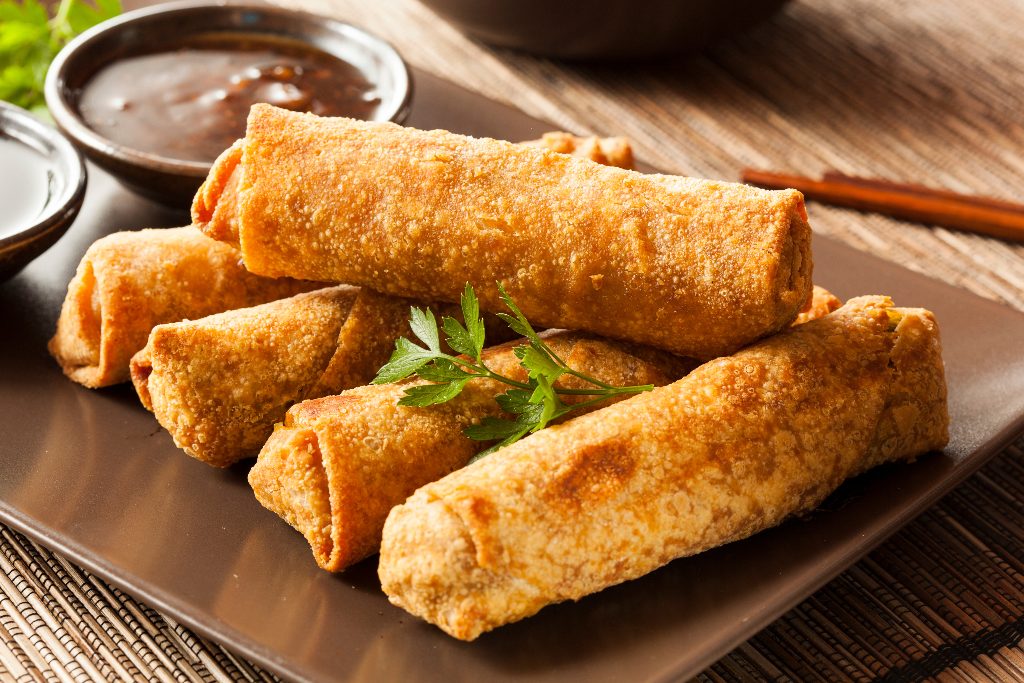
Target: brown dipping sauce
{"x": 191, "y": 103}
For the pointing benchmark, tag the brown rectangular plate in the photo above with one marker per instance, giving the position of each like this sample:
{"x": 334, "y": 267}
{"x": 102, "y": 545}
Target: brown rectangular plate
{"x": 90, "y": 474}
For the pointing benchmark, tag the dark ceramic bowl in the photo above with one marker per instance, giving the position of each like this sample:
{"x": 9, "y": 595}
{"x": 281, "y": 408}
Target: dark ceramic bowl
{"x": 175, "y": 181}
{"x": 66, "y": 179}
{"x": 604, "y": 29}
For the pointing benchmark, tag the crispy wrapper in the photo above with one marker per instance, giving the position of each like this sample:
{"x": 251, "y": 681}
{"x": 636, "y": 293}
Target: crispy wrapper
{"x": 735, "y": 447}
{"x": 339, "y": 464}
{"x": 128, "y": 282}
{"x": 608, "y": 151}
{"x": 220, "y": 383}
{"x": 697, "y": 267}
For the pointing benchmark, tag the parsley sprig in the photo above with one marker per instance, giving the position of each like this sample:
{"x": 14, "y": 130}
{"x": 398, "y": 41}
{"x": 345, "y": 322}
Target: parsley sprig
{"x": 533, "y": 404}
{"x": 30, "y": 39}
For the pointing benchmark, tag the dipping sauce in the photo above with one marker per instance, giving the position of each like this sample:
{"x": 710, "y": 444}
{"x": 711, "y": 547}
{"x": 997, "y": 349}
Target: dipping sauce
{"x": 191, "y": 103}
{"x": 26, "y": 185}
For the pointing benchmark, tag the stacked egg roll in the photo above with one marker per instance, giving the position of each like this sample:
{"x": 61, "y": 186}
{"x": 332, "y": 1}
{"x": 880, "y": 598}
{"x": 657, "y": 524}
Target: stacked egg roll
{"x": 696, "y": 267}
{"x": 128, "y": 282}
{"x": 735, "y": 447}
{"x": 218, "y": 384}
{"x": 339, "y": 464}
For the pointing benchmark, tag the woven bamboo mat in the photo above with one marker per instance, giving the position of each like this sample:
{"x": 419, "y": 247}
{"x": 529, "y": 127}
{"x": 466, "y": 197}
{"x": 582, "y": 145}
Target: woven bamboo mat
{"x": 923, "y": 91}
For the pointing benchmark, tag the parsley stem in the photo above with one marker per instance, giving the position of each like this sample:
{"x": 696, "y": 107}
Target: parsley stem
{"x": 604, "y": 390}
{"x": 484, "y": 371}
{"x": 610, "y": 391}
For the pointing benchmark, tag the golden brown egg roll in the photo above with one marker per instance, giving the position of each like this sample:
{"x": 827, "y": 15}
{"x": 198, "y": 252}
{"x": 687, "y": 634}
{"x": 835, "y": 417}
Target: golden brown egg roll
{"x": 128, "y": 282}
{"x": 340, "y": 463}
{"x": 608, "y": 151}
{"x": 219, "y": 384}
{"x": 735, "y": 447}
{"x": 697, "y": 267}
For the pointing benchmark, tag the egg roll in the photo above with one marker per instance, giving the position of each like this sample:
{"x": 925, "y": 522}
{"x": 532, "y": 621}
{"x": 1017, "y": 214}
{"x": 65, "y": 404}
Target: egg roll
{"x": 337, "y": 465}
{"x": 218, "y": 384}
{"x": 617, "y": 151}
{"x": 128, "y": 282}
{"x": 737, "y": 446}
{"x": 697, "y": 267}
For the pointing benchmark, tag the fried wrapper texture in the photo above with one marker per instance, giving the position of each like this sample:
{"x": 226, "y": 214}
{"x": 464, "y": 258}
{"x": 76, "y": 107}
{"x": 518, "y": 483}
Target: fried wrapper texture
{"x": 736, "y": 446}
{"x": 608, "y": 151}
{"x": 129, "y": 282}
{"x": 339, "y": 464}
{"x": 696, "y": 267}
{"x": 220, "y": 383}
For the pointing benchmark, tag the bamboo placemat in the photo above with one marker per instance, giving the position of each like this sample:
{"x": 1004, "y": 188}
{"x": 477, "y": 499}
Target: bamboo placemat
{"x": 921, "y": 91}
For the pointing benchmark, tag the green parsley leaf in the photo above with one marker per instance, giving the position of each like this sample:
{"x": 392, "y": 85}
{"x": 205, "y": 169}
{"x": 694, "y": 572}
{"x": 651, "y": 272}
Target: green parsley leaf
{"x": 490, "y": 428}
{"x": 406, "y": 359}
{"x": 458, "y": 337}
{"x": 516, "y": 401}
{"x": 538, "y": 362}
{"x": 428, "y": 394}
{"x": 517, "y": 321}
{"x": 551, "y": 406}
{"x": 474, "y": 323}
{"x": 443, "y": 370}
{"x": 424, "y": 325}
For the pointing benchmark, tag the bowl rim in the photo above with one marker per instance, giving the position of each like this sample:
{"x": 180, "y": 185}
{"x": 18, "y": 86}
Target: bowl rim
{"x": 70, "y": 121}
{"x": 58, "y": 210}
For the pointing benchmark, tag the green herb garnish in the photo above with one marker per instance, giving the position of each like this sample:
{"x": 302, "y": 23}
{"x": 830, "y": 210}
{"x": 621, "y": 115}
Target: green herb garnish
{"x": 30, "y": 39}
{"x": 534, "y": 403}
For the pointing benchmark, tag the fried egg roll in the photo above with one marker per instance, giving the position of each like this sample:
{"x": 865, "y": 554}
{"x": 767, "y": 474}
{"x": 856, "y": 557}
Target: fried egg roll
{"x": 128, "y": 282}
{"x": 339, "y": 464}
{"x": 697, "y": 267}
{"x": 218, "y": 384}
{"x": 737, "y": 446}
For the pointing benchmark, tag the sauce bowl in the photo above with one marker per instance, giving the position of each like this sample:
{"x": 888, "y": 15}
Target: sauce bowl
{"x": 61, "y": 188}
{"x": 167, "y": 27}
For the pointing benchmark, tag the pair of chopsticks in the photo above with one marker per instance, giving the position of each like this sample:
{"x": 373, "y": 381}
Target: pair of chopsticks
{"x": 982, "y": 215}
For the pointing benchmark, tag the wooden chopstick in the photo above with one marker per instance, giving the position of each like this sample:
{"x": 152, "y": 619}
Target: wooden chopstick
{"x": 982, "y": 215}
